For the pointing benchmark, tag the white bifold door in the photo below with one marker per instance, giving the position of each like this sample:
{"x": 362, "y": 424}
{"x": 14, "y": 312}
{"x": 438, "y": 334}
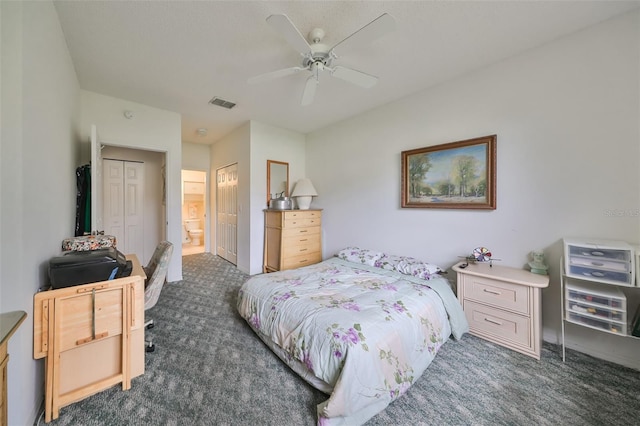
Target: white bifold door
{"x": 227, "y": 213}
{"x": 123, "y": 204}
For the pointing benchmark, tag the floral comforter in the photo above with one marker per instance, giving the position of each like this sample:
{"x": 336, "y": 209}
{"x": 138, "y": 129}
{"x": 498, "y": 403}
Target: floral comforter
{"x": 366, "y": 333}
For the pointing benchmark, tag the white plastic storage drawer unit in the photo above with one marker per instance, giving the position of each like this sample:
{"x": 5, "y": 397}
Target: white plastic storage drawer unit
{"x": 596, "y": 307}
{"x": 604, "y": 261}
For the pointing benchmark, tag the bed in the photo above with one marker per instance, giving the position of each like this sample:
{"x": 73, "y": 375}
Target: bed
{"x": 361, "y": 326}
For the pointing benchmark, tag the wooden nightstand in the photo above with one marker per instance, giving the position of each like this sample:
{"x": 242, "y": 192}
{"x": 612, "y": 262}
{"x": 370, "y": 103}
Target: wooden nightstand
{"x": 503, "y": 305}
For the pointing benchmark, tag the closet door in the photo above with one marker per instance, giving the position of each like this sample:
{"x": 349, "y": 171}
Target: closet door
{"x": 227, "y": 213}
{"x": 123, "y": 189}
{"x": 133, "y": 207}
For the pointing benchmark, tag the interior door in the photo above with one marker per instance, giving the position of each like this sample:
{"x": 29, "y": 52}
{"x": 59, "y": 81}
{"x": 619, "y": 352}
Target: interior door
{"x": 123, "y": 186}
{"x": 113, "y": 186}
{"x": 227, "y": 213}
{"x": 133, "y": 207}
{"x": 96, "y": 182}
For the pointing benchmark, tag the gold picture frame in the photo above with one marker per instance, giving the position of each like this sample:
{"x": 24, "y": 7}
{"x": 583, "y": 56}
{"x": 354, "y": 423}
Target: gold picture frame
{"x": 456, "y": 175}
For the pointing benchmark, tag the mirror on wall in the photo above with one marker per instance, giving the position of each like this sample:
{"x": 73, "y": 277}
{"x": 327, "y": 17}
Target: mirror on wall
{"x": 277, "y": 179}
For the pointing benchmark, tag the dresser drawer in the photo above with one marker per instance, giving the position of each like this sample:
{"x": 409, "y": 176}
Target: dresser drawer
{"x": 301, "y": 260}
{"x": 301, "y": 222}
{"x": 300, "y": 232}
{"x": 502, "y": 325}
{"x": 302, "y": 214}
{"x": 496, "y": 293}
{"x": 301, "y": 245}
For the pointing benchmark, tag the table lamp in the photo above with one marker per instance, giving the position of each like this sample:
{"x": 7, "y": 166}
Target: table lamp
{"x": 303, "y": 193}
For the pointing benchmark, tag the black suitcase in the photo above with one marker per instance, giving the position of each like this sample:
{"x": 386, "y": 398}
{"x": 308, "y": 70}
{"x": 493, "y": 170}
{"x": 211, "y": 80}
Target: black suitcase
{"x": 83, "y": 267}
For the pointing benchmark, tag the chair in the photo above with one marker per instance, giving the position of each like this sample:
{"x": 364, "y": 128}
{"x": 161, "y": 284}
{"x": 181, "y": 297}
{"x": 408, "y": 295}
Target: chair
{"x": 156, "y": 271}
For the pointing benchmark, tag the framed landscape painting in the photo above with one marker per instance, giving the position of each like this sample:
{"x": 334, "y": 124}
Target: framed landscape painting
{"x": 456, "y": 175}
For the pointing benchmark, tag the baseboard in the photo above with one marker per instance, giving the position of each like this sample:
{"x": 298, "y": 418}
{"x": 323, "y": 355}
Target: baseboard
{"x": 626, "y": 349}
{"x": 37, "y": 418}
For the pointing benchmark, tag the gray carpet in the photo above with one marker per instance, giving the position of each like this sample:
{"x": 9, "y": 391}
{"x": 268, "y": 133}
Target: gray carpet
{"x": 210, "y": 369}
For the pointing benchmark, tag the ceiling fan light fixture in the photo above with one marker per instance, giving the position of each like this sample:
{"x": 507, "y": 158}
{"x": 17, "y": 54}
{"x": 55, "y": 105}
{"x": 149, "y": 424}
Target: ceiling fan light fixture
{"x": 318, "y": 57}
{"x": 316, "y": 35}
{"x": 221, "y": 103}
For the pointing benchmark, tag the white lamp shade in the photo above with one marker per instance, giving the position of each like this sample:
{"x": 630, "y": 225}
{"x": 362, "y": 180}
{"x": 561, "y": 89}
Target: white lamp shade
{"x": 304, "y": 188}
{"x": 304, "y": 193}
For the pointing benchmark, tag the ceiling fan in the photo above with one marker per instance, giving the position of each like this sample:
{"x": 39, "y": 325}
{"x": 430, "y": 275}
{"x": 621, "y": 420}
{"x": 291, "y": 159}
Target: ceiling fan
{"x": 318, "y": 57}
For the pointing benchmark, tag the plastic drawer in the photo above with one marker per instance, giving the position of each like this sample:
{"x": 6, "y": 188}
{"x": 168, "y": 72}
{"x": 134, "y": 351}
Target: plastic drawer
{"x": 589, "y": 321}
{"x": 603, "y": 261}
{"x": 591, "y": 305}
{"x": 623, "y": 278}
{"x": 596, "y": 300}
{"x": 601, "y": 313}
{"x": 601, "y": 254}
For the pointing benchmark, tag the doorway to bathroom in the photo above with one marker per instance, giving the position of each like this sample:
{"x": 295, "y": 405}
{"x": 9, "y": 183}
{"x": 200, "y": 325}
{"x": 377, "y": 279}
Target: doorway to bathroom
{"x": 194, "y": 223}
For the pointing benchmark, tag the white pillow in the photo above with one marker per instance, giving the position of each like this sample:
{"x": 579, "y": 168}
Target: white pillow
{"x": 417, "y": 268}
{"x": 388, "y": 262}
{"x": 358, "y": 255}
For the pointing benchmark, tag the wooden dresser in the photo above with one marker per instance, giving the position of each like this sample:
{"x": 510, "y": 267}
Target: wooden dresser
{"x": 503, "y": 305}
{"x": 92, "y": 337}
{"x": 292, "y": 238}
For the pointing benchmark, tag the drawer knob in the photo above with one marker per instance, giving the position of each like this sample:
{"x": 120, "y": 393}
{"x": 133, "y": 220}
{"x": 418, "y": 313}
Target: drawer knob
{"x": 497, "y": 293}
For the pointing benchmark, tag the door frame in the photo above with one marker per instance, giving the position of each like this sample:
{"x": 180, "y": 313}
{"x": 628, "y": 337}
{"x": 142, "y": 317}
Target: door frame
{"x": 162, "y": 207}
{"x": 207, "y": 206}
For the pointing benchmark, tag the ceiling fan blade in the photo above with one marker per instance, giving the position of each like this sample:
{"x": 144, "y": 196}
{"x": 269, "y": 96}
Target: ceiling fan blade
{"x": 283, "y": 25}
{"x": 274, "y": 74}
{"x": 309, "y": 90}
{"x": 356, "y": 77}
{"x": 380, "y": 26}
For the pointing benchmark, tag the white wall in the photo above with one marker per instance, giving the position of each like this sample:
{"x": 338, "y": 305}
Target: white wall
{"x": 251, "y": 145}
{"x": 234, "y": 148}
{"x": 567, "y": 120}
{"x": 38, "y": 157}
{"x": 196, "y": 157}
{"x": 270, "y": 143}
{"x": 150, "y": 129}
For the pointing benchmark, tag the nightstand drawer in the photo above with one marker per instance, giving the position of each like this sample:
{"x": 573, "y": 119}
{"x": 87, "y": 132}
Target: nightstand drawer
{"x": 500, "y": 324}
{"x": 496, "y": 293}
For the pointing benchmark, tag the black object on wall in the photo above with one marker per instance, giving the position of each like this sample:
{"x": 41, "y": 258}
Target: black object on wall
{"x": 83, "y": 200}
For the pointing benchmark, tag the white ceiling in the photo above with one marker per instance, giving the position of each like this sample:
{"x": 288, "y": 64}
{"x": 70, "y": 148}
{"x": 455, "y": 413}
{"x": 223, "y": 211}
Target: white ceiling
{"x": 177, "y": 55}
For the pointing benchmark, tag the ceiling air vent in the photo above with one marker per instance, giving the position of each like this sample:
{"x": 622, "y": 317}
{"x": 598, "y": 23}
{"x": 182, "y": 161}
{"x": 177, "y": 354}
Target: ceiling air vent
{"x": 222, "y": 103}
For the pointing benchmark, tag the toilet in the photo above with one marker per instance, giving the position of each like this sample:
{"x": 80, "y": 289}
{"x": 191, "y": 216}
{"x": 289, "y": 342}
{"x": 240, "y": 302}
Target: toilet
{"x": 194, "y": 230}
